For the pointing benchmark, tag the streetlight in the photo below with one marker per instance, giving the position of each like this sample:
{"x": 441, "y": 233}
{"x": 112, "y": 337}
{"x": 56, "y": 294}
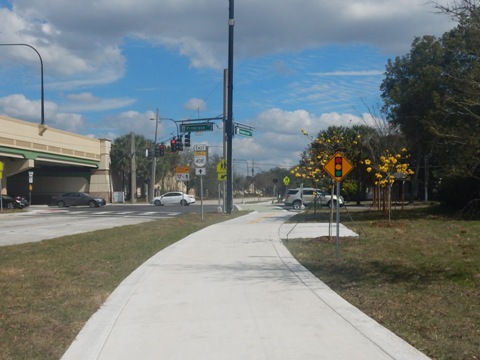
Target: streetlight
{"x": 41, "y": 79}
{"x": 229, "y": 118}
{"x": 176, "y": 125}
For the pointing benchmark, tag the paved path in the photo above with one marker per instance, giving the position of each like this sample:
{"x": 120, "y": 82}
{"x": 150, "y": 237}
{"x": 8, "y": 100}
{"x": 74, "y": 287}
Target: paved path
{"x": 232, "y": 291}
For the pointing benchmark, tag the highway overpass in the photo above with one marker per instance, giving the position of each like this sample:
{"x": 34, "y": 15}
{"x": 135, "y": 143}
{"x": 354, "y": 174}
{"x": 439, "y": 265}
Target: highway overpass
{"x": 39, "y": 161}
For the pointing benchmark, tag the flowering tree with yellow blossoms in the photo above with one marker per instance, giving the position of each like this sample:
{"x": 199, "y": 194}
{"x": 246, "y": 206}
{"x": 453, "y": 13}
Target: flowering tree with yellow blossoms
{"x": 389, "y": 167}
{"x": 320, "y": 150}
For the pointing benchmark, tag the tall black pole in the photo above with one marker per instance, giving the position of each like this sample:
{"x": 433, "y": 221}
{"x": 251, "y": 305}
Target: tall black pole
{"x": 41, "y": 78}
{"x": 229, "y": 122}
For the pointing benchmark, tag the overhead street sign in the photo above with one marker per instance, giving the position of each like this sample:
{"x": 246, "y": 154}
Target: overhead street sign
{"x": 338, "y": 167}
{"x": 243, "y": 131}
{"x": 196, "y": 127}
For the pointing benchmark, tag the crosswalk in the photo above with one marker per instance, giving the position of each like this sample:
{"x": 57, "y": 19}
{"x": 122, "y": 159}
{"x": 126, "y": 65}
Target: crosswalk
{"x": 89, "y": 213}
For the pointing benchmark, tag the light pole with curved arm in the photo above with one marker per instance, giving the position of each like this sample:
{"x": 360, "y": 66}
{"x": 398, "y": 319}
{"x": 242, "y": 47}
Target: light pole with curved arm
{"x": 169, "y": 119}
{"x": 41, "y": 78}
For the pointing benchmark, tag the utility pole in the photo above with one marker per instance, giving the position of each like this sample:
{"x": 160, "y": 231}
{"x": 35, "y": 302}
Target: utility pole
{"x": 154, "y": 161}
{"x": 229, "y": 121}
{"x": 133, "y": 169}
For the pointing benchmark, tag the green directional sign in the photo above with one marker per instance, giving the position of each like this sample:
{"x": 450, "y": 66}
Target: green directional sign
{"x": 243, "y": 132}
{"x": 196, "y": 127}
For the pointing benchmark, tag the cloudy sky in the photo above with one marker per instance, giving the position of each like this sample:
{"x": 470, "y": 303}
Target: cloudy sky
{"x": 299, "y": 64}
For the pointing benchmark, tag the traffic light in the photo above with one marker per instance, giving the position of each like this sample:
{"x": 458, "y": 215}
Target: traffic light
{"x": 161, "y": 149}
{"x": 150, "y": 153}
{"x": 173, "y": 145}
{"x": 179, "y": 143}
{"x": 187, "y": 140}
{"x": 157, "y": 151}
{"x": 338, "y": 166}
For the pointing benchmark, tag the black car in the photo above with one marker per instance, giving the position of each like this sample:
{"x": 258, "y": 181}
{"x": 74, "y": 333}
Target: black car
{"x": 10, "y": 203}
{"x": 76, "y": 199}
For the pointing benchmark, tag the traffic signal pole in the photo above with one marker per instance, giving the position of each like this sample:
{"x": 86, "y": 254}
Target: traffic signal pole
{"x": 229, "y": 120}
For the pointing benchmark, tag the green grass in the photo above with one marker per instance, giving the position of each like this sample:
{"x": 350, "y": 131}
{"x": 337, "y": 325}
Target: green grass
{"x": 418, "y": 275}
{"x": 50, "y": 289}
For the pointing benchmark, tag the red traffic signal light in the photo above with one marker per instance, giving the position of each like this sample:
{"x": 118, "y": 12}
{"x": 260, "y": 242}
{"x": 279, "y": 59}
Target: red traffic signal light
{"x": 173, "y": 145}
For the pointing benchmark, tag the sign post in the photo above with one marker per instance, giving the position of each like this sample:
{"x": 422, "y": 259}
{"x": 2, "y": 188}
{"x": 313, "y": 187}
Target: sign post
{"x": 338, "y": 167}
{"x": 200, "y": 160}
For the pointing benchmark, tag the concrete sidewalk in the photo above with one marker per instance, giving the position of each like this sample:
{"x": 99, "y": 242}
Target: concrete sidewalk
{"x": 232, "y": 291}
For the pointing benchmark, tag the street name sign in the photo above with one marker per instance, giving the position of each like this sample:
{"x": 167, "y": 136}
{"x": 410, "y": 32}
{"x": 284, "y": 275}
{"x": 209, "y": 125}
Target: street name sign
{"x": 243, "y": 131}
{"x": 196, "y": 127}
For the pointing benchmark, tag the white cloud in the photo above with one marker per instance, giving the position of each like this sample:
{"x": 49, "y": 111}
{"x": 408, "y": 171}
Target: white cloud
{"x": 83, "y": 46}
{"x": 18, "y": 106}
{"x": 86, "y": 37}
{"x": 195, "y": 105}
{"x": 278, "y": 138}
{"x": 87, "y": 102}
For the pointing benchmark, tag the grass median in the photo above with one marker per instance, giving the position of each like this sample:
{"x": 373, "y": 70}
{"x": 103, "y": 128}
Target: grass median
{"x": 418, "y": 275}
{"x": 50, "y": 289}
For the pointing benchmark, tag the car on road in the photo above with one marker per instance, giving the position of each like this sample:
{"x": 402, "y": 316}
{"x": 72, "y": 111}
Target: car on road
{"x": 174, "y": 198}
{"x": 10, "y": 203}
{"x": 76, "y": 199}
{"x": 295, "y": 197}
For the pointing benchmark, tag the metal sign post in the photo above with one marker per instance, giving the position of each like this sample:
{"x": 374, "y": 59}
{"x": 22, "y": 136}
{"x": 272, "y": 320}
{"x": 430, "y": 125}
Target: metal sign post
{"x": 338, "y": 167}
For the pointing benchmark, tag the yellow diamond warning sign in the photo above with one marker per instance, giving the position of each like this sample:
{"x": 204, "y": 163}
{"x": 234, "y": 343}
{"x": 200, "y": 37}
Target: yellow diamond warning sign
{"x": 338, "y": 167}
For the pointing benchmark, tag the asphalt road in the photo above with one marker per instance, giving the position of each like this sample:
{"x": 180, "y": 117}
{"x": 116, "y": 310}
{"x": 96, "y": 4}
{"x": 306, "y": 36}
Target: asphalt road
{"x": 39, "y": 223}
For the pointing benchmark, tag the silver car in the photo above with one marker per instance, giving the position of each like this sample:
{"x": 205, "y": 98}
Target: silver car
{"x": 174, "y": 198}
{"x": 295, "y": 198}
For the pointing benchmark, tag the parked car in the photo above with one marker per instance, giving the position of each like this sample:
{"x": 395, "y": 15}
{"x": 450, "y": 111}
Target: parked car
{"x": 294, "y": 198}
{"x": 76, "y": 199}
{"x": 10, "y": 203}
{"x": 174, "y": 198}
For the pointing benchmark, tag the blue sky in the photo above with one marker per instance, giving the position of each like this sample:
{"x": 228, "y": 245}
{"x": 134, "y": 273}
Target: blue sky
{"x": 109, "y": 64}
